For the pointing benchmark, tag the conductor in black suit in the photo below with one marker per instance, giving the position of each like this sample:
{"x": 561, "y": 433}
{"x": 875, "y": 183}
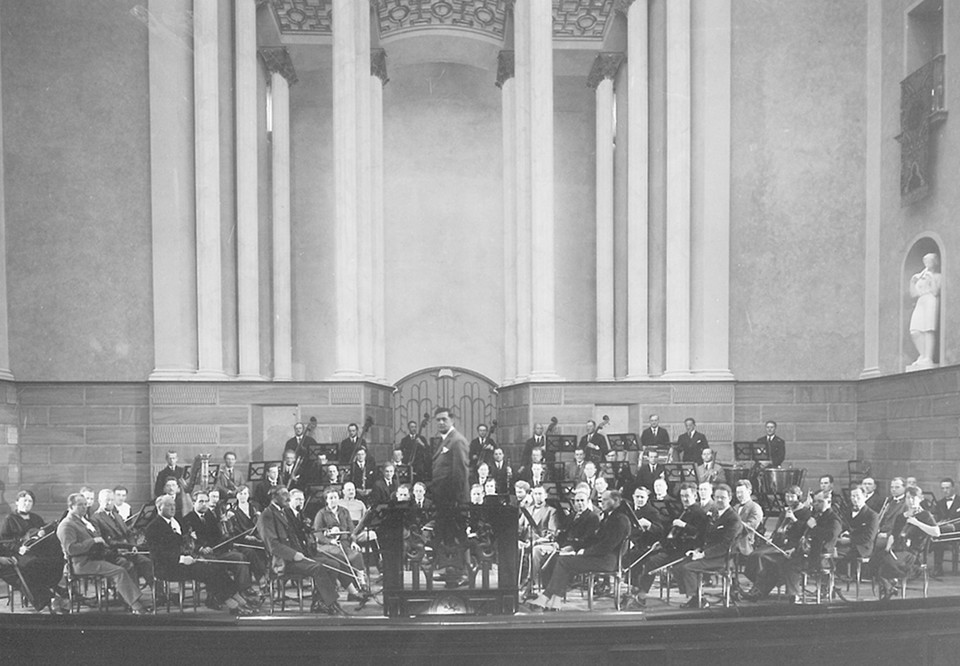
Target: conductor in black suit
{"x": 655, "y": 436}
{"x": 691, "y": 443}
{"x": 776, "y": 447}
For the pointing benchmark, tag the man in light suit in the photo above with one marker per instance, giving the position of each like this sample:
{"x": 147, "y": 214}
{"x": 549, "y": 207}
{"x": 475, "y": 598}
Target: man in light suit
{"x": 750, "y": 514}
{"x": 710, "y": 471}
{"x": 84, "y": 548}
{"x": 229, "y": 478}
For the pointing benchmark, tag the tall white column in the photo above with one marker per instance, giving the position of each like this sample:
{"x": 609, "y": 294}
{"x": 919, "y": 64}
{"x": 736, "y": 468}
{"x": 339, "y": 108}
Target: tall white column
{"x": 248, "y": 251}
{"x": 282, "y": 76}
{"x": 345, "y": 161}
{"x": 172, "y": 192}
{"x": 364, "y": 255}
{"x": 206, "y": 99}
{"x": 507, "y": 85}
{"x": 874, "y": 181}
{"x": 710, "y": 267}
{"x": 378, "y": 79}
{"x": 521, "y": 18}
{"x": 4, "y": 329}
{"x": 678, "y": 189}
{"x": 539, "y": 26}
{"x": 637, "y": 184}
{"x": 605, "y": 68}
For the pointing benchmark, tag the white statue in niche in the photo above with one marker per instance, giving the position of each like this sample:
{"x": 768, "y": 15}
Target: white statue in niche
{"x": 925, "y": 287}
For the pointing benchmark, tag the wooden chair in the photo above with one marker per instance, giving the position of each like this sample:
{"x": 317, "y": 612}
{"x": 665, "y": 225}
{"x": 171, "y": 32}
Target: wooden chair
{"x": 617, "y": 575}
{"x": 826, "y": 568}
{"x": 78, "y": 586}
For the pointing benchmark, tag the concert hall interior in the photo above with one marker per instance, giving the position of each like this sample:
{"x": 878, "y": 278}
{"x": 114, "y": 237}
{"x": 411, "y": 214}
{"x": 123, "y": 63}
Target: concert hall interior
{"x": 382, "y": 247}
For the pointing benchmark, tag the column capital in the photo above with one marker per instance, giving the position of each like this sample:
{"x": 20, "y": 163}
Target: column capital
{"x": 605, "y": 66}
{"x": 504, "y": 67}
{"x": 277, "y": 59}
{"x": 378, "y": 65}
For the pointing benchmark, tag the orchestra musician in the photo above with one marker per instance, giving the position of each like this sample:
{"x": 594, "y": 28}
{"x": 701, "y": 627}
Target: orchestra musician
{"x": 481, "y": 448}
{"x": 171, "y": 471}
{"x": 536, "y": 474}
{"x": 416, "y": 452}
{"x": 722, "y": 532}
{"x": 385, "y": 488}
{"x": 654, "y": 437}
{"x": 901, "y": 553}
{"x": 686, "y": 533}
{"x": 271, "y": 479}
{"x": 300, "y": 441}
{"x": 117, "y": 534}
{"x": 290, "y": 471}
{"x": 120, "y": 502}
{"x": 705, "y": 495}
{"x": 651, "y": 470}
{"x": 750, "y": 514}
{"x": 32, "y": 546}
{"x": 827, "y": 488}
{"x": 666, "y": 505}
{"x": 874, "y": 499}
{"x": 240, "y": 517}
{"x": 691, "y": 444}
{"x": 575, "y": 472}
{"x": 207, "y": 533}
{"x": 581, "y": 528}
{"x": 351, "y": 444}
{"x": 229, "y": 478}
{"x": 647, "y": 528}
{"x": 858, "y": 540}
{"x": 710, "y": 470}
{"x": 776, "y": 447}
{"x": 540, "y": 534}
{"x": 480, "y": 475}
{"x": 363, "y": 474}
{"x": 86, "y": 550}
{"x": 600, "y": 553}
{"x": 289, "y": 552}
{"x": 181, "y": 499}
{"x": 947, "y": 513}
{"x": 765, "y": 565}
{"x": 333, "y": 528}
{"x": 893, "y": 506}
{"x": 593, "y": 444}
{"x": 501, "y": 472}
{"x": 538, "y": 441}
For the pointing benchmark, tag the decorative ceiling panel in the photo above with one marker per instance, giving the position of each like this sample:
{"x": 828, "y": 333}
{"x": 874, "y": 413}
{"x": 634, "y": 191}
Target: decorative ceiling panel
{"x": 573, "y": 20}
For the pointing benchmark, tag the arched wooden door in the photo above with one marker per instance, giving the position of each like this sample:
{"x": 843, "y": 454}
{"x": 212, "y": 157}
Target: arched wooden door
{"x": 472, "y": 397}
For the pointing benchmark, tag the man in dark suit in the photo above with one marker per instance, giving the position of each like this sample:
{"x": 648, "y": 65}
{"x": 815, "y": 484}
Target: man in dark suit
{"x": 599, "y": 554}
{"x": 385, "y": 488}
{"x": 765, "y": 566}
{"x": 651, "y": 470}
{"x": 288, "y": 552}
{"x": 654, "y": 436}
{"x": 165, "y": 538}
{"x": 874, "y": 499}
{"x": 451, "y": 464}
{"x": 416, "y": 452}
{"x": 85, "y": 548}
{"x": 892, "y": 507}
{"x": 823, "y": 530}
{"x": 349, "y": 446}
{"x": 646, "y": 526}
{"x": 691, "y": 443}
{"x": 300, "y": 440}
{"x": 481, "y": 448}
{"x": 206, "y": 527}
{"x": 593, "y": 444}
{"x": 859, "y": 539}
{"x": 776, "y": 447}
{"x": 363, "y": 474}
{"x": 947, "y": 509}
{"x": 538, "y": 441}
{"x": 536, "y": 473}
{"x": 502, "y": 472}
{"x": 722, "y": 531}
{"x": 261, "y": 494}
{"x": 171, "y": 471}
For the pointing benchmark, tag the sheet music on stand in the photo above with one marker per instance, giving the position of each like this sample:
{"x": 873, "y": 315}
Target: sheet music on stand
{"x": 751, "y": 451}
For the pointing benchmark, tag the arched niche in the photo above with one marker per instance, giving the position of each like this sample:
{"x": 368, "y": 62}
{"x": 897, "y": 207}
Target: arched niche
{"x": 923, "y": 244}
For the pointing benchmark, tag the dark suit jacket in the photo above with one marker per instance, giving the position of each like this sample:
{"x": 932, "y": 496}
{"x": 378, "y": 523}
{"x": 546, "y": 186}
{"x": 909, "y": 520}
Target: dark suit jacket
{"x": 416, "y": 453}
{"x": 646, "y": 476}
{"x": 692, "y": 536}
{"x": 279, "y": 536}
{"x": 165, "y": 547}
{"x": 529, "y": 446}
{"x": 659, "y": 441}
{"x": 875, "y": 502}
{"x": 943, "y": 513}
{"x": 112, "y": 528}
{"x": 365, "y": 479}
{"x": 614, "y": 528}
{"x": 691, "y": 448}
{"x": 481, "y": 452}
{"x": 382, "y": 493}
{"x": 656, "y": 529}
{"x": 206, "y": 528}
{"x": 504, "y": 477}
{"x": 581, "y": 530}
{"x": 227, "y": 483}
{"x": 594, "y": 447}
{"x": 863, "y": 530}
{"x": 823, "y": 537}
{"x": 348, "y": 450}
{"x": 777, "y": 449}
{"x": 720, "y": 534}
{"x": 166, "y": 473}
{"x": 292, "y": 443}
{"x": 450, "y": 475}
{"x": 889, "y": 513}
{"x": 526, "y": 474}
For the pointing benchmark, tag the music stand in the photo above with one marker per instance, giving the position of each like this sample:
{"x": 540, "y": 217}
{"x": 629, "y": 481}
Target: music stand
{"x": 404, "y": 473}
{"x": 559, "y": 444}
{"x": 679, "y": 472}
{"x": 329, "y": 449}
{"x": 147, "y": 514}
{"x": 257, "y": 469}
{"x": 626, "y": 441}
{"x": 751, "y": 451}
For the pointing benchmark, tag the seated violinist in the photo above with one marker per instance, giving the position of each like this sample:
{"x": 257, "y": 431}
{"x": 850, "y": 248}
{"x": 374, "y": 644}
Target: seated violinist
{"x": 32, "y": 547}
{"x": 668, "y": 507}
{"x": 240, "y": 518}
{"x": 900, "y": 555}
{"x": 207, "y": 532}
{"x": 261, "y": 494}
{"x": 337, "y": 545}
{"x": 765, "y": 566}
{"x": 86, "y": 549}
{"x": 541, "y": 532}
{"x": 172, "y": 550}
{"x": 117, "y": 535}
{"x": 647, "y": 526}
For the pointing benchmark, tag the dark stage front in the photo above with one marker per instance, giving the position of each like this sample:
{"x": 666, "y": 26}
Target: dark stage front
{"x": 914, "y": 632}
